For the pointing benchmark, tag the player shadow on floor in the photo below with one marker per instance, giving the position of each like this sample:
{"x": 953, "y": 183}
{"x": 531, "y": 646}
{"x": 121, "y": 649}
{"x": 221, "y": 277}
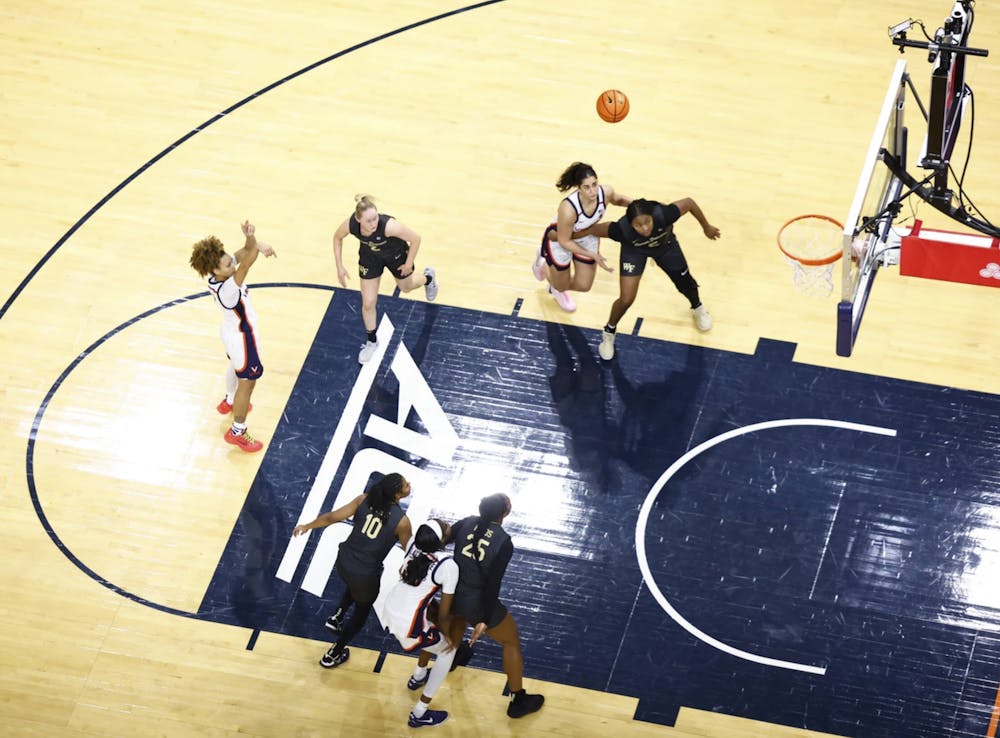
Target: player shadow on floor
{"x": 578, "y": 395}
{"x": 654, "y": 412}
{"x": 645, "y": 421}
{"x": 244, "y": 590}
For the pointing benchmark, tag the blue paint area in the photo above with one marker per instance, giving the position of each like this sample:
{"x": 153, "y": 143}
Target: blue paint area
{"x": 865, "y": 554}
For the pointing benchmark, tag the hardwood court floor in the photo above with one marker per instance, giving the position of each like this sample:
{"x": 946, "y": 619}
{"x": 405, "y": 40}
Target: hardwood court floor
{"x": 459, "y": 127}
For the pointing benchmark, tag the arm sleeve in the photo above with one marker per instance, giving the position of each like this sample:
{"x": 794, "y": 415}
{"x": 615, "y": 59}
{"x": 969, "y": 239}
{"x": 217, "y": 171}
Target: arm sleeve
{"x": 491, "y": 587}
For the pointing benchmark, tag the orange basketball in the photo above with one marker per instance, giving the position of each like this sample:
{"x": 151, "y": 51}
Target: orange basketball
{"x": 612, "y": 106}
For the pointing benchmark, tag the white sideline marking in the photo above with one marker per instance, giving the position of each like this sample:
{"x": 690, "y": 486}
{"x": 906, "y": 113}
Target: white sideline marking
{"x": 335, "y": 451}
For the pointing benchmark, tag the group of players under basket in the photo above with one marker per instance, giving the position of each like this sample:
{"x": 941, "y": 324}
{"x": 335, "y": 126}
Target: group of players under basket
{"x": 438, "y": 595}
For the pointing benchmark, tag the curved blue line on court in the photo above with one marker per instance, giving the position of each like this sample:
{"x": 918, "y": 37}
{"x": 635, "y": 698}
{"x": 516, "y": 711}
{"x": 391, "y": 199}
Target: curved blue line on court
{"x": 36, "y": 424}
{"x": 214, "y": 119}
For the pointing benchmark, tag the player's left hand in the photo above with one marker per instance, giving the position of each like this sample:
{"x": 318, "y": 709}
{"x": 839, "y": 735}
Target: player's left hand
{"x": 406, "y": 270}
{"x": 265, "y": 249}
{"x": 712, "y": 232}
{"x": 603, "y": 263}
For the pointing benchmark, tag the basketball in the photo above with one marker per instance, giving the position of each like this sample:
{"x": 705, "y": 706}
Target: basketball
{"x": 612, "y": 106}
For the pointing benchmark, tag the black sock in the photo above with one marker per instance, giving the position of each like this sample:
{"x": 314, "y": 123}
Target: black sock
{"x": 429, "y": 280}
{"x": 610, "y": 328}
{"x": 371, "y": 337}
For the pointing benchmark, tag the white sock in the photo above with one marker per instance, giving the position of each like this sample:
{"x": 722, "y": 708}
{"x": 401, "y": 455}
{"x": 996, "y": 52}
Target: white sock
{"x": 419, "y": 709}
{"x": 239, "y": 429}
{"x": 420, "y": 672}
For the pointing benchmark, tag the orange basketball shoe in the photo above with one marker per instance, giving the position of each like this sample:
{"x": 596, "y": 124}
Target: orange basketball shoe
{"x": 245, "y": 441}
{"x": 225, "y": 408}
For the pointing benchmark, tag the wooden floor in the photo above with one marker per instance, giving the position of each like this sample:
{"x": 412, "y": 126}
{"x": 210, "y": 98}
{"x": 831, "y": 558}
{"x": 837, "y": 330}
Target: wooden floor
{"x": 459, "y": 128}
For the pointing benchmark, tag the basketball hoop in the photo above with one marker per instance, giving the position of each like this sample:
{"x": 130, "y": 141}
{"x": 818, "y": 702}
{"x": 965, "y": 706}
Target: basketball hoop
{"x": 811, "y": 244}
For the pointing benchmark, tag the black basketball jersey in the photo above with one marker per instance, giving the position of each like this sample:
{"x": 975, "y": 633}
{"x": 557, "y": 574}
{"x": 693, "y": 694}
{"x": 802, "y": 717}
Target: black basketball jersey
{"x": 378, "y": 240}
{"x": 475, "y": 560}
{"x": 370, "y": 540}
{"x": 664, "y": 217}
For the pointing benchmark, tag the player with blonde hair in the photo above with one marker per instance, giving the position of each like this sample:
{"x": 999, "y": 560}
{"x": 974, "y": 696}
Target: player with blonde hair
{"x": 385, "y": 243}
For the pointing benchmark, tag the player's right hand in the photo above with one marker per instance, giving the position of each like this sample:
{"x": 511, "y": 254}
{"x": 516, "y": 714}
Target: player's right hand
{"x": 477, "y": 633}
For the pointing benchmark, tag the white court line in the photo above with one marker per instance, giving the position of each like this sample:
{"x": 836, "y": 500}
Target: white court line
{"x": 335, "y": 452}
{"x": 826, "y": 541}
{"x": 647, "y": 505}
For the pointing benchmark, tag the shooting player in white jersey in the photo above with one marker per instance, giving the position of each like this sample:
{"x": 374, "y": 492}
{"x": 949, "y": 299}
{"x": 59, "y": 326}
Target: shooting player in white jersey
{"x": 227, "y": 282}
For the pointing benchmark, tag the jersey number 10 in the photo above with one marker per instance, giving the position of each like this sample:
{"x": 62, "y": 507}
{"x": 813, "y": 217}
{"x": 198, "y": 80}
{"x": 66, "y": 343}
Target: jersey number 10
{"x": 372, "y": 526}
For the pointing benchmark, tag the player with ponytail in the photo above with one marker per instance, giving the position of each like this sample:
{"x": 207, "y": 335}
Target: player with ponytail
{"x": 482, "y": 550}
{"x": 378, "y": 523}
{"x": 646, "y": 231}
{"x": 385, "y": 243}
{"x": 568, "y": 259}
{"x": 420, "y": 620}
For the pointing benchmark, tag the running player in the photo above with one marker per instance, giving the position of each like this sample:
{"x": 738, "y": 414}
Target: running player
{"x": 482, "y": 550}
{"x": 385, "y": 243}
{"x": 647, "y": 232}
{"x": 561, "y": 247}
{"x": 227, "y": 276}
{"x": 419, "y": 621}
{"x": 378, "y": 523}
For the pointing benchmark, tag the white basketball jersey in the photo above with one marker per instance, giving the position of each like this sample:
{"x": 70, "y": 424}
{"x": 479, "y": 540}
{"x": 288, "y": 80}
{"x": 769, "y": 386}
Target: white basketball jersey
{"x": 405, "y": 608}
{"x": 237, "y": 310}
{"x": 583, "y": 220}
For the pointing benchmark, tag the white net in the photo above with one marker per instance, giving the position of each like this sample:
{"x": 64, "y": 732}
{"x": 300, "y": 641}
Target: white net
{"x": 812, "y": 281}
{"x": 812, "y": 245}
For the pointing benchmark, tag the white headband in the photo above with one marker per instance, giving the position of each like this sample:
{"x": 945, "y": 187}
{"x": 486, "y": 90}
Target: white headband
{"x": 436, "y": 527}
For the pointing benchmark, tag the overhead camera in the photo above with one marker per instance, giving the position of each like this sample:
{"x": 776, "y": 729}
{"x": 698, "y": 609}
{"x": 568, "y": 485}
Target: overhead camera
{"x": 901, "y": 28}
